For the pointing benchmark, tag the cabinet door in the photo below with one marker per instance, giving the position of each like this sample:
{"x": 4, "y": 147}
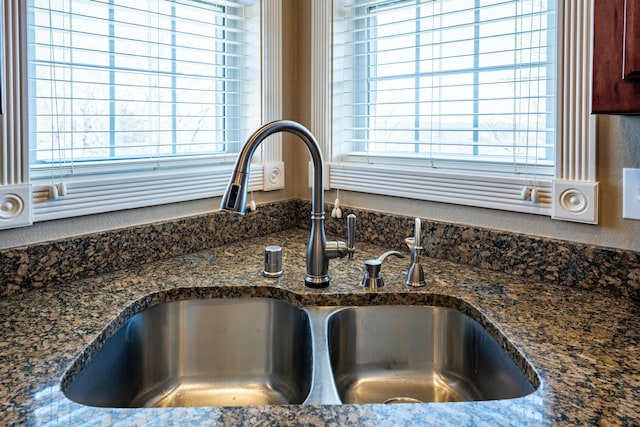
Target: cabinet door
{"x": 631, "y": 57}
{"x": 616, "y": 57}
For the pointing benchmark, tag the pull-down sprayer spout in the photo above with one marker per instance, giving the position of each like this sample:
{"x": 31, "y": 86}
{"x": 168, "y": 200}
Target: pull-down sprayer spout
{"x": 235, "y": 199}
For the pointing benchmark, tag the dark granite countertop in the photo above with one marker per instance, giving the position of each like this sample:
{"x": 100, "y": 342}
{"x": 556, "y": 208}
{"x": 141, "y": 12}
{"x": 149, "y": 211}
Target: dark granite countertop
{"x": 585, "y": 346}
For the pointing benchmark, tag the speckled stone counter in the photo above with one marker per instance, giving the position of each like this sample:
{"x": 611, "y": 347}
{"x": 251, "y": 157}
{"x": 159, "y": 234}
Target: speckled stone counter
{"x": 611, "y": 271}
{"x": 583, "y": 345}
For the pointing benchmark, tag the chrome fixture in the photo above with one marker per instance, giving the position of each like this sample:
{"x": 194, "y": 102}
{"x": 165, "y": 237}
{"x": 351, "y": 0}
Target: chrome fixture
{"x": 415, "y": 275}
{"x": 319, "y": 251}
{"x": 372, "y": 276}
{"x": 272, "y": 261}
{"x": 351, "y": 235}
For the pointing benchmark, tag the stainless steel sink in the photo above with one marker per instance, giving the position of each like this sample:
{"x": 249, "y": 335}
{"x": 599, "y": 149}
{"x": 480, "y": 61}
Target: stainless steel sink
{"x": 404, "y": 354}
{"x": 244, "y": 351}
{"x": 219, "y": 352}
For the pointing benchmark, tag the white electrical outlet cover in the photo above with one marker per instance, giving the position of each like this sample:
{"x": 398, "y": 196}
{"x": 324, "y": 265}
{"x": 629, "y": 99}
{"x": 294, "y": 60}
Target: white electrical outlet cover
{"x": 631, "y": 193}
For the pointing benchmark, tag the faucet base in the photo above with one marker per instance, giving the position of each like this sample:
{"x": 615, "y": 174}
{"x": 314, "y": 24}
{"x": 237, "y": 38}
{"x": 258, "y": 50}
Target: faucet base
{"x": 317, "y": 281}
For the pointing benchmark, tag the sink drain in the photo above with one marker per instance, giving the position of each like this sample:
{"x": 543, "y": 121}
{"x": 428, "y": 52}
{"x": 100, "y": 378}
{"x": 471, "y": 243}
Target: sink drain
{"x": 402, "y": 400}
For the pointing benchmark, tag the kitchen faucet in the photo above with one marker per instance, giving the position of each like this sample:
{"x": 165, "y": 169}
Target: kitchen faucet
{"x": 319, "y": 251}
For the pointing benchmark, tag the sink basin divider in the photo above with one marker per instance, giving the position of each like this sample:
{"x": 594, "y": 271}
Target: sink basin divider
{"x": 323, "y": 390}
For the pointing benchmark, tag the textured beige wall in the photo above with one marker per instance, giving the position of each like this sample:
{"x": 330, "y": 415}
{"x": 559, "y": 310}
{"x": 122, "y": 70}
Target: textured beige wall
{"x": 296, "y": 94}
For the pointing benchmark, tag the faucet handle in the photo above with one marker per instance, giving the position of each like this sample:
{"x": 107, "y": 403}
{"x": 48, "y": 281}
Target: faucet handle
{"x": 351, "y": 235}
{"x": 417, "y": 236}
{"x": 415, "y": 275}
{"x": 340, "y": 249}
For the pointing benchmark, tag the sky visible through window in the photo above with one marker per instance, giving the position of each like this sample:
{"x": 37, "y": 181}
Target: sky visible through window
{"x": 116, "y": 79}
{"x": 454, "y": 78}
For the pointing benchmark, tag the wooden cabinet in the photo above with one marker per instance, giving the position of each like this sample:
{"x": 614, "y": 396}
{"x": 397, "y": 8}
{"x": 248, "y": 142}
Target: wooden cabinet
{"x": 616, "y": 57}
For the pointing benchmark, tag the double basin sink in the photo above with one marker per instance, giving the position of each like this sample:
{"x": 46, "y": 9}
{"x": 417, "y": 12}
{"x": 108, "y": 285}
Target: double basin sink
{"x": 262, "y": 351}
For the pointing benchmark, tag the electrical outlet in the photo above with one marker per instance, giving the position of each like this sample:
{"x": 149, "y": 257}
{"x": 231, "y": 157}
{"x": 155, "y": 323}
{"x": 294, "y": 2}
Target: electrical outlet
{"x": 631, "y": 193}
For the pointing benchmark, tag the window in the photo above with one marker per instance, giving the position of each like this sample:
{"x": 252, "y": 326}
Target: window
{"x": 463, "y": 101}
{"x": 130, "y": 104}
{"x": 115, "y": 80}
{"x": 454, "y": 80}
{"x": 150, "y": 88}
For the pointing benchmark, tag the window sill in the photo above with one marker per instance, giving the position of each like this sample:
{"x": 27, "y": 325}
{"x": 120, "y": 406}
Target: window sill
{"x": 98, "y": 194}
{"x": 486, "y": 191}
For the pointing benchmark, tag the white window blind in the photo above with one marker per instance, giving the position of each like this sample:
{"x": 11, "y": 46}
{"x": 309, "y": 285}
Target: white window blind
{"x": 115, "y": 80}
{"x": 446, "y": 94}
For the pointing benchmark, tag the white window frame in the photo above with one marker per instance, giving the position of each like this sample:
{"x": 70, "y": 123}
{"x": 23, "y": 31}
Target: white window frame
{"x": 25, "y": 199}
{"x": 572, "y": 195}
